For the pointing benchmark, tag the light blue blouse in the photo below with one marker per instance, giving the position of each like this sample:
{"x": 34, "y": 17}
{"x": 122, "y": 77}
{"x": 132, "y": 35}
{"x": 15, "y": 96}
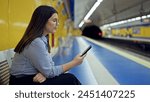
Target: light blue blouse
{"x": 35, "y": 58}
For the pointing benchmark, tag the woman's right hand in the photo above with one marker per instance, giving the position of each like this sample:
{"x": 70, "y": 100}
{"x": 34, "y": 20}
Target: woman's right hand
{"x": 78, "y": 59}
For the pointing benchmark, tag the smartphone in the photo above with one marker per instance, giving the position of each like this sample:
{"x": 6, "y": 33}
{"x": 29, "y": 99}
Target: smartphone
{"x": 86, "y": 50}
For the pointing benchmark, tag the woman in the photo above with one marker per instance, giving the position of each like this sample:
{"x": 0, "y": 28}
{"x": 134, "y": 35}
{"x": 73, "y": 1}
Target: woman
{"x": 32, "y": 63}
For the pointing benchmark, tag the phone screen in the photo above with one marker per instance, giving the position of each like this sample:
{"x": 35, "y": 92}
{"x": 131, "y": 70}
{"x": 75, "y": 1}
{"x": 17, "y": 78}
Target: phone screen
{"x": 86, "y": 50}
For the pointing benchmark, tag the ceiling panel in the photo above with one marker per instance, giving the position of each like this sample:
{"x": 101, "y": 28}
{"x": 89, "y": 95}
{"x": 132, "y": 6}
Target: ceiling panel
{"x": 110, "y": 10}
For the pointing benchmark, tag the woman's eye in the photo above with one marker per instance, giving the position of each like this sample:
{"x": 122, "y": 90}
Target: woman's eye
{"x": 54, "y": 20}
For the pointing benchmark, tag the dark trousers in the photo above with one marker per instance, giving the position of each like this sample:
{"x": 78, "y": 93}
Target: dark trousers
{"x": 63, "y": 79}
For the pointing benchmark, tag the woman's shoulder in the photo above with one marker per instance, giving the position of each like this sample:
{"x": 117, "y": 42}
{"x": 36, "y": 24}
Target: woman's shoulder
{"x": 36, "y": 46}
{"x": 37, "y": 41}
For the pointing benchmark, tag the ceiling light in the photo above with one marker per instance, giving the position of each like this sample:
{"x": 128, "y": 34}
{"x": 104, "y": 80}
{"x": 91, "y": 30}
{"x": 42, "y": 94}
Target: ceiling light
{"x": 97, "y": 3}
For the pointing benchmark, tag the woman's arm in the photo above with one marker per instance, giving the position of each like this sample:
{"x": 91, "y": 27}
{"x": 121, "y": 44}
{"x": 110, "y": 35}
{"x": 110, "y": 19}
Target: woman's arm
{"x": 40, "y": 59}
{"x": 76, "y": 61}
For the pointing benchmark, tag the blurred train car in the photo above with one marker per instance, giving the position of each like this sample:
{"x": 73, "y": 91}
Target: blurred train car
{"x": 92, "y": 31}
{"x": 137, "y": 30}
{"x": 140, "y": 31}
{"x": 134, "y": 33}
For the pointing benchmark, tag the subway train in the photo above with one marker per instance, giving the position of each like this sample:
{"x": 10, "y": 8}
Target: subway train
{"x": 132, "y": 32}
{"x": 140, "y": 30}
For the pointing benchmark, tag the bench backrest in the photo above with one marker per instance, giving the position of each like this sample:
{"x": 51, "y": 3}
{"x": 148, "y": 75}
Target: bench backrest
{"x": 4, "y": 70}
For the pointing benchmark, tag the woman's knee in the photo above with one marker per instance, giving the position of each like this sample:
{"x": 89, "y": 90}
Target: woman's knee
{"x": 72, "y": 78}
{"x": 63, "y": 79}
{"x": 69, "y": 75}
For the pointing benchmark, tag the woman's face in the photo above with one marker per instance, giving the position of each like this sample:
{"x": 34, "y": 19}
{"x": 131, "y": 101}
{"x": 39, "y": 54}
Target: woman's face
{"x": 51, "y": 24}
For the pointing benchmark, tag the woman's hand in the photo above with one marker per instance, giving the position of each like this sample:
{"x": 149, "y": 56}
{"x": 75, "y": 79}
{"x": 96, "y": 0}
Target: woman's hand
{"x": 39, "y": 78}
{"x": 78, "y": 59}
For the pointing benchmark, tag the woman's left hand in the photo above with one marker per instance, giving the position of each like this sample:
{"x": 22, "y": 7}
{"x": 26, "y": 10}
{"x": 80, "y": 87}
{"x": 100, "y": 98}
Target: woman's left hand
{"x": 39, "y": 78}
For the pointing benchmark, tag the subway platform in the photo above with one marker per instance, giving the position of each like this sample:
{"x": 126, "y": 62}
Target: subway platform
{"x": 104, "y": 64}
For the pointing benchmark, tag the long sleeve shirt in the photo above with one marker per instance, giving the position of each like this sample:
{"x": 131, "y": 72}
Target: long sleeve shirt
{"x": 35, "y": 58}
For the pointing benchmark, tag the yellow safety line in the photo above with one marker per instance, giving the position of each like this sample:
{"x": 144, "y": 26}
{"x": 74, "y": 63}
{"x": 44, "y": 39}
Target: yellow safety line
{"x": 124, "y": 54}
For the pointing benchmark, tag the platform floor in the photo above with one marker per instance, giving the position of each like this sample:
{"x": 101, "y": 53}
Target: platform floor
{"x": 104, "y": 64}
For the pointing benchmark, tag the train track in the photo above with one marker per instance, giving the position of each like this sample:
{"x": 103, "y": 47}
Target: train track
{"x": 138, "y": 48}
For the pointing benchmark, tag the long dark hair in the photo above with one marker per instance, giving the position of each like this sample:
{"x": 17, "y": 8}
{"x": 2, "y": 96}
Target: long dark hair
{"x": 36, "y": 26}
